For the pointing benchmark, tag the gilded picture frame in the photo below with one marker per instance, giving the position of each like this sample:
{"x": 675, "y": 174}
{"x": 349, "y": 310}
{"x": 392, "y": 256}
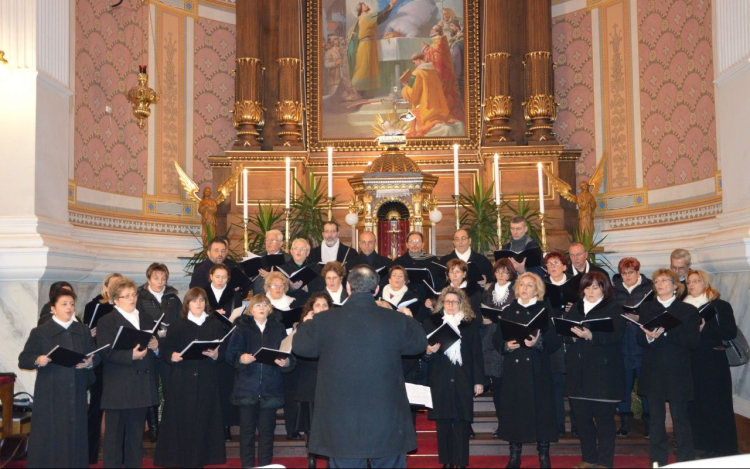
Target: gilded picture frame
{"x": 343, "y": 120}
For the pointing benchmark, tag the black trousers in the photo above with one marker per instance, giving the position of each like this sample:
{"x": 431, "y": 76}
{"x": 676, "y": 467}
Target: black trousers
{"x": 123, "y": 437}
{"x": 683, "y": 432}
{"x": 252, "y": 418}
{"x": 95, "y": 415}
{"x": 290, "y": 404}
{"x": 596, "y": 423}
{"x": 453, "y": 441}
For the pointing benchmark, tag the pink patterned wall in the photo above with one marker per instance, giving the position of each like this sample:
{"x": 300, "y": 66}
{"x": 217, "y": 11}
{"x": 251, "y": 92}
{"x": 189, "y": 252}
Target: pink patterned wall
{"x": 110, "y": 150}
{"x": 574, "y": 86}
{"x": 677, "y": 98}
{"x": 215, "y": 47}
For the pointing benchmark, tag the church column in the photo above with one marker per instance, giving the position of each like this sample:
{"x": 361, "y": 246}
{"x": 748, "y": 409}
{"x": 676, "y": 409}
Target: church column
{"x": 498, "y": 102}
{"x": 248, "y": 106}
{"x": 289, "y": 107}
{"x": 540, "y": 108}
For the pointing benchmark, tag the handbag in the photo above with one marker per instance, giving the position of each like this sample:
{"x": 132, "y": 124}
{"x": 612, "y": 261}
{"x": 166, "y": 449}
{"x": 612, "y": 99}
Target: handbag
{"x": 738, "y": 350}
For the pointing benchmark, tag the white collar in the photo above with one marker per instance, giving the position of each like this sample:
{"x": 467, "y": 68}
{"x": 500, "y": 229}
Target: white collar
{"x": 532, "y": 302}
{"x": 158, "y": 295}
{"x": 133, "y": 318}
{"x": 284, "y": 303}
{"x": 630, "y": 289}
{"x": 199, "y": 320}
{"x": 465, "y": 256}
{"x": 217, "y": 292}
{"x": 563, "y": 282}
{"x": 575, "y": 271}
{"x": 667, "y": 303}
{"x": 65, "y": 325}
{"x": 588, "y": 306}
{"x": 262, "y": 327}
{"x": 502, "y": 288}
{"x": 329, "y": 254}
{"x": 336, "y": 296}
{"x": 696, "y": 301}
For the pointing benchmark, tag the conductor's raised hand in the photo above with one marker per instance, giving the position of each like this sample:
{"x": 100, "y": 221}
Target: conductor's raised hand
{"x": 247, "y": 359}
{"x": 138, "y": 354}
{"x": 433, "y": 349}
{"x": 534, "y": 340}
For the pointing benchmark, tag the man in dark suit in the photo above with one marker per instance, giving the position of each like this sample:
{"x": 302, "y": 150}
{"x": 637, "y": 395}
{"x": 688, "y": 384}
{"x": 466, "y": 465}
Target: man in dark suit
{"x": 579, "y": 261}
{"x": 217, "y": 252}
{"x": 274, "y": 246}
{"x": 361, "y": 408}
{"x": 481, "y": 271}
{"x": 332, "y": 248}
{"x": 368, "y": 255}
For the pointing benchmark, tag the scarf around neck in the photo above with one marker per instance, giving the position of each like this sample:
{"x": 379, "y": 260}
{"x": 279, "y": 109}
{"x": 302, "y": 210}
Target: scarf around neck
{"x": 454, "y": 352}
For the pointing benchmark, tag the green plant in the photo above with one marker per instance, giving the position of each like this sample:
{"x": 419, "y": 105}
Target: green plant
{"x": 592, "y": 245}
{"x": 526, "y": 210}
{"x": 307, "y": 211}
{"x": 261, "y": 223}
{"x": 480, "y": 217}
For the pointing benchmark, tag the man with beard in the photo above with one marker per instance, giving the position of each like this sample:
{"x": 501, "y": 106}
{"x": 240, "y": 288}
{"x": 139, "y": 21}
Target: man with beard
{"x": 456, "y": 42}
{"x": 217, "y": 253}
{"x": 332, "y": 249}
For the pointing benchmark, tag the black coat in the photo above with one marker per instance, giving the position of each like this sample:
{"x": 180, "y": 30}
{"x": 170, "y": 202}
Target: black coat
{"x": 361, "y": 408}
{"x": 452, "y": 385}
{"x": 128, "y": 383}
{"x": 258, "y": 285}
{"x": 256, "y": 382}
{"x": 60, "y": 400}
{"x": 632, "y": 352}
{"x": 307, "y": 379}
{"x": 346, "y": 255}
{"x": 483, "y": 265}
{"x": 238, "y": 280}
{"x": 530, "y": 244}
{"x": 595, "y": 368}
{"x": 493, "y": 360}
{"x": 409, "y": 364}
{"x": 170, "y": 306}
{"x": 376, "y": 261}
{"x": 712, "y": 412}
{"x": 592, "y": 268}
{"x": 666, "y": 372}
{"x": 569, "y": 288}
{"x": 191, "y": 433}
{"x": 230, "y": 299}
{"x": 527, "y": 403}
{"x": 303, "y": 295}
{"x": 102, "y": 309}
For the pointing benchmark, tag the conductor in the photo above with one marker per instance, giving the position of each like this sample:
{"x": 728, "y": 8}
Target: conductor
{"x": 361, "y": 408}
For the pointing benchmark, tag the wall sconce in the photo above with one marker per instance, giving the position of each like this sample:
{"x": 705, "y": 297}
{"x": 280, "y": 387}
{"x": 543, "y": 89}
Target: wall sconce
{"x": 4, "y": 67}
{"x": 142, "y": 97}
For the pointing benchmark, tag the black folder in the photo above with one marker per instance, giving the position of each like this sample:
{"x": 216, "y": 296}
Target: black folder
{"x": 665, "y": 320}
{"x": 533, "y": 256}
{"x": 195, "y": 349}
{"x": 634, "y": 308}
{"x": 268, "y": 356}
{"x": 252, "y": 267}
{"x": 68, "y": 358}
{"x": 560, "y": 295}
{"x": 514, "y": 331}
{"x": 127, "y": 338}
{"x": 420, "y": 275}
{"x": 445, "y": 335}
{"x": 225, "y": 319}
{"x": 708, "y": 312}
{"x": 305, "y": 275}
{"x": 94, "y": 317}
{"x": 563, "y": 326}
{"x": 492, "y": 313}
{"x": 287, "y": 318}
{"x": 431, "y": 292}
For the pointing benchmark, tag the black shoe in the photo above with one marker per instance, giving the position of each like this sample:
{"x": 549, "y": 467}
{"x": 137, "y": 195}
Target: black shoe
{"x": 152, "y": 419}
{"x": 495, "y": 434}
{"x": 312, "y": 462}
{"x": 153, "y": 435}
{"x": 647, "y": 426}
{"x": 515, "y": 456}
{"x": 472, "y": 435}
{"x": 574, "y": 432}
{"x": 626, "y": 427}
{"x": 294, "y": 436}
{"x": 544, "y": 460}
{"x": 227, "y": 433}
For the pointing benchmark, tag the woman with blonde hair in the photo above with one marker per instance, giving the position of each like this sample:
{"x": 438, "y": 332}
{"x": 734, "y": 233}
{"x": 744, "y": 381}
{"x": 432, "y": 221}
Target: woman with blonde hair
{"x": 712, "y": 411}
{"x": 96, "y": 309}
{"x": 527, "y": 401}
{"x": 667, "y": 370}
{"x": 456, "y": 375}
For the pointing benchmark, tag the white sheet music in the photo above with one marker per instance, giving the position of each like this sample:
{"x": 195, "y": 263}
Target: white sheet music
{"x": 419, "y": 395}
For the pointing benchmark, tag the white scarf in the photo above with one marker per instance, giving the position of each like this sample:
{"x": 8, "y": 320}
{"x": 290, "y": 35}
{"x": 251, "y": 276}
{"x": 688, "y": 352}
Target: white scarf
{"x": 157, "y": 295}
{"x": 392, "y": 296}
{"x": 64, "y": 325}
{"x": 561, "y": 282}
{"x": 588, "y": 306}
{"x": 630, "y": 289}
{"x": 198, "y": 320}
{"x": 217, "y": 292}
{"x": 454, "y": 352}
{"x": 532, "y": 302}
{"x": 696, "y": 301}
{"x": 133, "y": 318}
{"x": 336, "y": 296}
{"x": 667, "y": 303}
{"x": 282, "y": 304}
{"x": 329, "y": 254}
{"x": 501, "y": 293}
{"x": 465, "y": 256}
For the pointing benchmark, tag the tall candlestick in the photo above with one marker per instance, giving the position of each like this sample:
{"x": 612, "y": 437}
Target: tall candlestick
{"x": 244, "y": 195}
{"x": 287, "y": 205}
{"x": 330, "y": 172}
{"x": 541, "y": 188}
{"x": 455, "y": 170}
{"x": 497, "y": 179}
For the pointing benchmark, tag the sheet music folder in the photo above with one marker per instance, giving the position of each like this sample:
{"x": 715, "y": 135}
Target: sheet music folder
{"x": 68, "y": 358}
{"x": 195, "y": 349}
{"x": 268, "y": 356}
{"x": 514, "y": 331}
{"x": 127, "y": 338}
{"x": 533, "y": 256}
{"x": 445, "y": 335}
{"x": 665, "y": 320}
{"x": 563, "y": 326}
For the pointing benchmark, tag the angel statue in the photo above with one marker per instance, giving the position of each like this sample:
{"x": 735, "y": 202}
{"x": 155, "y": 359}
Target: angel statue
{"x": 586, "y": 199}
{"x": 207, "y": 206}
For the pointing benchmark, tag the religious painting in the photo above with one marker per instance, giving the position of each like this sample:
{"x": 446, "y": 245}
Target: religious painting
{"x": 410, "y": 63}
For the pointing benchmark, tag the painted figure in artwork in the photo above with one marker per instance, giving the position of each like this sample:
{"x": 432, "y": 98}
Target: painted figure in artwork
{"x": 426, "y": 96}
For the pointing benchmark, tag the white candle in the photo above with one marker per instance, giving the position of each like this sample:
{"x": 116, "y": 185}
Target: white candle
{"x": 455, "y": 169}
{"x": 244, "y": 195}
{"x": 541, "y": 188}
{"x": 330, "y": 172}
{"x": 288, "y": 183}
{"x": 497, "y": 179}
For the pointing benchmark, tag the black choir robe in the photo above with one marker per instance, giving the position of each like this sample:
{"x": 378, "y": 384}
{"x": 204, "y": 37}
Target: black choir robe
{"x": 482, "y": 265}
{"x": 60, "y": 435}
{"x": 346, "y": 255}
{"x": 191, "y": 432}
{"x": 301, "y": 296}
{"x": 229, "y": 300}
{"x": 238, "y": 280}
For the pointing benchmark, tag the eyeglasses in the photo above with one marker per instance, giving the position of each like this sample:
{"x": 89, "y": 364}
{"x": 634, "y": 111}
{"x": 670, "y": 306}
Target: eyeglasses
{"x": 628, "y": 272}
{"x": 130, "y": 296}
{"x": 330, "y": 232}
{"x": 663, "y": 280}
{"x": 680, "y": 269}
{"x": 262, "y": 305}
{"x": 277, "y": 287}
{"x": 415, "y": 241}
{"x": 302, "y": 249}
{"x": 461, "y": 239}
{"x": 554, "y": 264}
{"x": 695, "y": 280}
{"x": 451, "y": 302}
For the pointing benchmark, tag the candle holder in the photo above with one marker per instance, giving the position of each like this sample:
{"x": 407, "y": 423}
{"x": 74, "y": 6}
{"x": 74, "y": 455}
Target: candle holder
{"x": 498, "y": 206}
{"x": 458, "y": 218}
{"x": 287, "y": 215}
{"x": 330, "y": 208}
{"x": 543, "y": 219}
{"x": 246, "y": 240}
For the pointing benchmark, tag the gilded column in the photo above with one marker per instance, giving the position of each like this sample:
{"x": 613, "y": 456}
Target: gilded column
{"x": 289, "y": 107}
{"x": 498, "y": 102}
{"x": 248, "y": 102}
{"x": 540, "y": 109}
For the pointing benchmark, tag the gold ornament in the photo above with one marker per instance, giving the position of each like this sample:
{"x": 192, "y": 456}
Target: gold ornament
{"x": 142, "y": 97}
